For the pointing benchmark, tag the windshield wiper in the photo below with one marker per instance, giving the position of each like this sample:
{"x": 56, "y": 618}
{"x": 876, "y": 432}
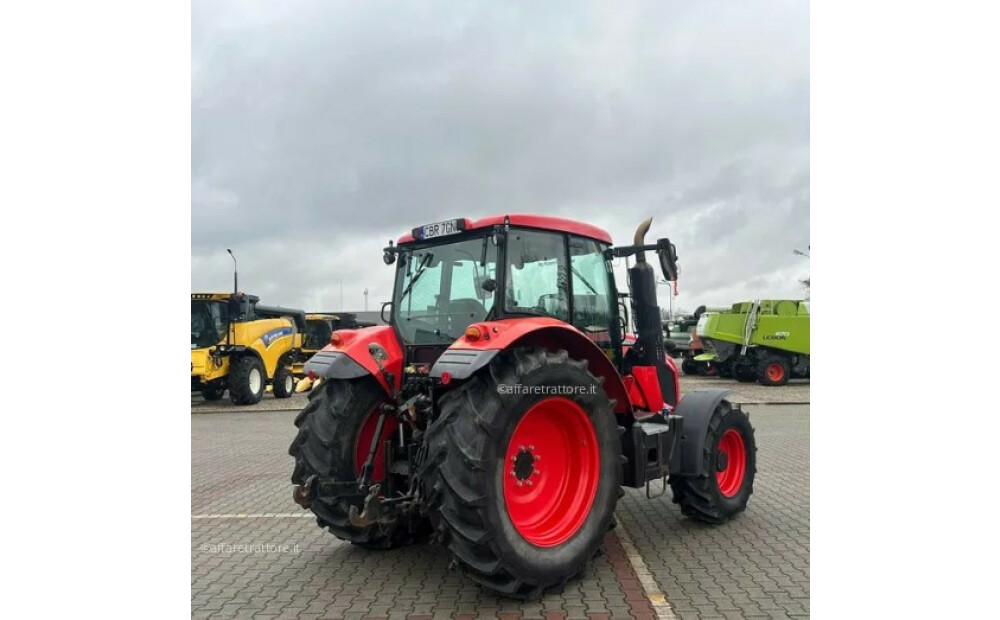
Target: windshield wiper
{"x": 424, "y": 262}
{"x": 584, "y": 280}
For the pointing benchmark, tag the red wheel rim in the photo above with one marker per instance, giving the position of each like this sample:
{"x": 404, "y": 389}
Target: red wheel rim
{"x": 364, "y": 443}
{"x": 551, "y": 471}
{"x": 775, "y": 372}
{"x": 730, "y": 478}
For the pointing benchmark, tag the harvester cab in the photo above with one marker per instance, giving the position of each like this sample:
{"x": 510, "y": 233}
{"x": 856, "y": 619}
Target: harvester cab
{"x": 505, "y": 405}
{"x": 240, "y": 345}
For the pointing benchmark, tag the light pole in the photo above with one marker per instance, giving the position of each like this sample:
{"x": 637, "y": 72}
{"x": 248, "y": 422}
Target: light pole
{"x": 236, "y": 282}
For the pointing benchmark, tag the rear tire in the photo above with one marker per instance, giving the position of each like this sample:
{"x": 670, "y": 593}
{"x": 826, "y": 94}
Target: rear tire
{"x": 715, "y": 495}
{"x": 328, "y": 444}
{"x": 283, "y": 382}
{"x": 773, "y": 369}
{"x": 521, "y": 539}
{"x": 246, "y": 380}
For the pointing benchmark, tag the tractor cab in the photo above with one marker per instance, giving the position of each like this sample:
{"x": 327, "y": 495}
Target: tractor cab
{"x": 453, "y": 275}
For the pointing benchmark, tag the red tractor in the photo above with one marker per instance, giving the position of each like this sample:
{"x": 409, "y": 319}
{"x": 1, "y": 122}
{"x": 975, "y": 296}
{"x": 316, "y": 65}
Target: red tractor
{"x": 500, "y": 413}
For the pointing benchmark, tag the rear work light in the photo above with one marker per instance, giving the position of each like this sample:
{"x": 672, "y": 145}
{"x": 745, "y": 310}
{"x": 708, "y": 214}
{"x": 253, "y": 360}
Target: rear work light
{"x": 473, "y": 333}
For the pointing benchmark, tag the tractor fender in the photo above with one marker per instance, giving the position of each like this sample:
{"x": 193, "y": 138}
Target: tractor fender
{"x": 696, "y": 408}
{"x": 465, "y": 356}
{"x": 351, "y": 359}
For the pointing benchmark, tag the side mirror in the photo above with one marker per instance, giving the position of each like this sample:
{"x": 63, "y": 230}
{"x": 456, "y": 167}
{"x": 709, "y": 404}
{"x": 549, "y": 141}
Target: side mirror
{"x": 668, "y": 259}
{"x": 385, "y": 320}
{"x": 235, "y": 308}
{"x": 389, "y": 254}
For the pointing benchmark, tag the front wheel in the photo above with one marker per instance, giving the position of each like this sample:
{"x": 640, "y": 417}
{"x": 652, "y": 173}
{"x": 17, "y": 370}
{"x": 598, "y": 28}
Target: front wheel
{"x": 723, "y": 487}
{"x": 522, "y": 473}
{"x": 246, "y": 380}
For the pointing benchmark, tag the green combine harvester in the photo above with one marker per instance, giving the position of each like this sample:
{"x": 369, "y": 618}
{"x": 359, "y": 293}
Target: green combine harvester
{"x": 766, "y": 340}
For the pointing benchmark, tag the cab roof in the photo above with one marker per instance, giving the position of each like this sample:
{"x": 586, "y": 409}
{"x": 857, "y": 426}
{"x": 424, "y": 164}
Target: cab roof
{"x": 541, "y": 222}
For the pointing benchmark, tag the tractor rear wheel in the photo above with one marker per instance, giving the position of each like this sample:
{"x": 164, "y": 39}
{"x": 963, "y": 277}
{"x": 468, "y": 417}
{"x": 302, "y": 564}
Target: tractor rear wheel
{"x": 523, "y": 471}
{"x": 283, "y": 382}
{"x": 213, "y": 390}
{"x": 773, "y": 369}
{"x": 729, "y": 464}
{"x": 246, "y": 380}
{"x": 335, "y": 433}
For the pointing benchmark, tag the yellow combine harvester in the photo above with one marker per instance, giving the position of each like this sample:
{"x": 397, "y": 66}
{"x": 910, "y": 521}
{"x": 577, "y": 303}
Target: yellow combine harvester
{"x": 239, "y": 345}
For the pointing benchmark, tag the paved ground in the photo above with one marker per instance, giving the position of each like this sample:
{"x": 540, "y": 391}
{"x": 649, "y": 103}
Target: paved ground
{"x": 757, "y": 565}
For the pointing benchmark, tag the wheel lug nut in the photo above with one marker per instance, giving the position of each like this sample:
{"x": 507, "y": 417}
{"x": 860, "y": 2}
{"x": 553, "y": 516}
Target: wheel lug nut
{"x": 532, "y": 448}
{"x": 528, "y": 482}
{"x": 519, "y": 483}
{"x": 512, "y": 473}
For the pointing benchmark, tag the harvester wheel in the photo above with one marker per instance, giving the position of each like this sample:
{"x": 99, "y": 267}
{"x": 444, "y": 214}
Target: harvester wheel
{"x": 729, "y": 463}
{"x": 521, "y": 484}
{"x": 213, "y": 390}
{"x": 246, "y": 380}
{"x": 283, "y": 382}
{"x": 744, "y": 373}
{"x": 689, "y": 366}
{"x": 773, "y": 369}
{"x": 335, "y": 433}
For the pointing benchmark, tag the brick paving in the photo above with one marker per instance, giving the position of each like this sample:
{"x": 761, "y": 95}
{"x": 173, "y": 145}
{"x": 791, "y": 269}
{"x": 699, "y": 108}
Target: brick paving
{"x": 757, "y": 565}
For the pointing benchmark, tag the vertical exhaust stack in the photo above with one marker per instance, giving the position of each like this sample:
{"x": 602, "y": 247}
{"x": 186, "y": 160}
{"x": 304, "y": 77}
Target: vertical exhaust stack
{"x": 642, "y": 284}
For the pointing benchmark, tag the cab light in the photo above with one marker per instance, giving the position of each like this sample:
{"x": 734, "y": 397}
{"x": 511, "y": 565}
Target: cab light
{"x": 445, "y": 378}
{"x": 335, "y": 339}
{"x": 473, "y": 333}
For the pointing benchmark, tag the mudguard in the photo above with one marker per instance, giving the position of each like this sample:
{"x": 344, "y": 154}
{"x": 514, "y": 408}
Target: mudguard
{"x": 350, "y": 359}
{"x": 697, "y": 408}
{"x": 465, "y": 356}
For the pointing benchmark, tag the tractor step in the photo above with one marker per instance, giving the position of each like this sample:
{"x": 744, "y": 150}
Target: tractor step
{"x": 651, "y": 450}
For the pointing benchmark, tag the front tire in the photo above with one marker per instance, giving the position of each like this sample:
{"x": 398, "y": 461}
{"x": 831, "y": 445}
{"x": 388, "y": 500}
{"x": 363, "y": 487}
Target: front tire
{"x": 521, "y": 485}
{"x": 246, "y": 380}
{"x": 743, "y": 372}
{"x": 283, "y": 382}
{"x": 723, "y": 487}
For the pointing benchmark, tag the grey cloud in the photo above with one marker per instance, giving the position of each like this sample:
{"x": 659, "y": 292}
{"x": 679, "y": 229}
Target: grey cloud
{"x": 320, "y": 127}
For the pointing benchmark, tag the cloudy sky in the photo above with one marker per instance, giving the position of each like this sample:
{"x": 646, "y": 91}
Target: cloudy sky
{"x": 322, "y": 129}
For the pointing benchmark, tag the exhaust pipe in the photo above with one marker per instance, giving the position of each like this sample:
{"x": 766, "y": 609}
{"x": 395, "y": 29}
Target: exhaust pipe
{"x": 642, "y": 284}
{"x": 639, "y": 239}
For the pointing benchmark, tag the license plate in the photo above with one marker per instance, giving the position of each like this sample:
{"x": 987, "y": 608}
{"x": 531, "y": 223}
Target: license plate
{"x": 440, "y": 229}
